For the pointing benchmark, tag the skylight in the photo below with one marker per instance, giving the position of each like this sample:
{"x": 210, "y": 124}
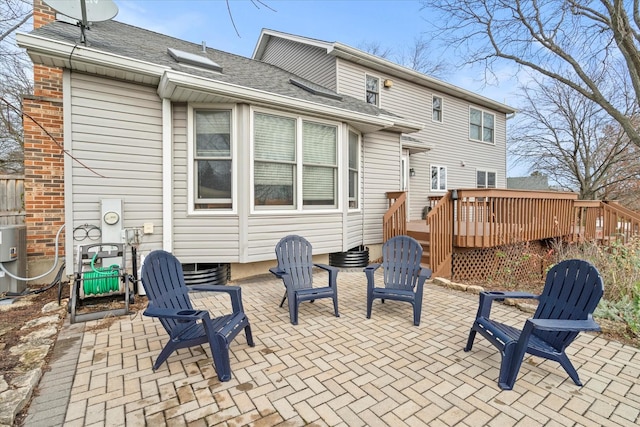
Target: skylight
{"x": 316, "y": 90}
{"x": 193, "y": 59}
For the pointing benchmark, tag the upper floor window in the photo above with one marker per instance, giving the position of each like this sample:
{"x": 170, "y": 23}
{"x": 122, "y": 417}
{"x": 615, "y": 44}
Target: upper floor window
{"x": 438, "y": 178}
{"x": 373, "y": 90}
{"x": 213, "y": 159}
{"x": 292, "y": 154}
{"x": 485, "y": 179}
{"x": 437, "y": 108}
{"x": 354, "y": 170}
{"x": 481, "y": 125}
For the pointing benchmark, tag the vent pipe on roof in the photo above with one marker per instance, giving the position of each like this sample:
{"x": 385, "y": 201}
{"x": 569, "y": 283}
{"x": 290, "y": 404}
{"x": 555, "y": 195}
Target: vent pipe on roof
{"x": 204, "y": 46}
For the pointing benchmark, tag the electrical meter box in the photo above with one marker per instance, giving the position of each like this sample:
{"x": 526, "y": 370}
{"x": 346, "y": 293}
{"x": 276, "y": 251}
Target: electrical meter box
{"x": 13, "y": 256}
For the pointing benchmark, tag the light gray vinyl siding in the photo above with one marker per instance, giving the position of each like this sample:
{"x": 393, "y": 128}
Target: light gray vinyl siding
{"x": 355, "y": 229}
{"x": 200, "y": 237}
{"x": 351, "y": 79}
{"x": 450, "y": 138}
{"x": 381, "y": 174}
{"x": 116, "y": 140}
{"x": 324, "y": 231}
{"x": 306, "y": 61}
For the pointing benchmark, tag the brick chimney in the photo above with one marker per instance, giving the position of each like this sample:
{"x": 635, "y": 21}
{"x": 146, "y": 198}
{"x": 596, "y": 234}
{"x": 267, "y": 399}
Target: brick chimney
{"x": 43, "y": 159}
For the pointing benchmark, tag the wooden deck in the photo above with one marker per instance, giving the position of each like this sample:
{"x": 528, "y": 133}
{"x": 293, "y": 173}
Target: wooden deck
{"x": 480, "y": 219}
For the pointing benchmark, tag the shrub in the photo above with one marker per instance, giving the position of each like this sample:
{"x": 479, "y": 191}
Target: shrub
{"x": 619, "y": 266}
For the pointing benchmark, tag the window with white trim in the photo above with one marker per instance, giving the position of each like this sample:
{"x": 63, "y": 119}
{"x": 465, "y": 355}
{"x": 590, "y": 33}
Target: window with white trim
{"x": 320, "y": 164}
{"x": 436, "y": 115}
{"x": 372, "y": 90}
{"x": 485, "y": 179}
{"x": 354, "y": 170}
{"x": 212, "y": 157}
{"x": 292, "y": 153}
{"x": 438, "y": 178}
{"x": 481, "y": 125}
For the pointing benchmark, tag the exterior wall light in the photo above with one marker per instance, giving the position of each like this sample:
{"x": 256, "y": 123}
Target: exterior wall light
{"x": 412, "y": 172}
{"x": 388, "y": 83}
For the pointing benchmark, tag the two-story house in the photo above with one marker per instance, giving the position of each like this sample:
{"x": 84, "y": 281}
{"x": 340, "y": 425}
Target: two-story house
{"x": 463, "y": 141}
{"x": 215, "y": 157}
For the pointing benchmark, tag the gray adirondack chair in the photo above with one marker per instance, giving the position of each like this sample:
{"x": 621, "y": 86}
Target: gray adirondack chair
{"x": 571, "y": 293}
{"x": 404, "y": 277}
{"x": 169, "y": 301}
{"x": 295, "y": 268}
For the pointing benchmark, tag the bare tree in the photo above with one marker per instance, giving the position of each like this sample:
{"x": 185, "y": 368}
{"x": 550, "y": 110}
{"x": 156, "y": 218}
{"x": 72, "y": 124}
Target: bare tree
{"x": 377, "y": 49}
{"x": 575, "y": 42}
{"x": 418, "y": 56}
{"x": 573, "y": 141}
{"x": 15, "y": 81}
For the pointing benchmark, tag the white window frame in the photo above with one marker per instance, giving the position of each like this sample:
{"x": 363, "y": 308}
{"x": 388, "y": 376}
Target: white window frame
{"x": 366, "y": 89}
{"x": 483, "y": 113}
{"x": 357, "y": 170}
{"x": 298, "y": 206}
{"x": 433, "y": 110}
{"x": 440, "y": 168}
{"x": 191, "y": 172}
{"x": 486, "y": 178}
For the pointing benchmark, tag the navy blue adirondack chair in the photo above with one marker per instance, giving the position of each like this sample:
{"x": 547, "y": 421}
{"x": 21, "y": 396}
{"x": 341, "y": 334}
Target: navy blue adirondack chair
{"x": 571, "y": 293}
{"x": 169, "y": 301}
{"x": 295, "y": 268}
{"x": 404, "y": 277}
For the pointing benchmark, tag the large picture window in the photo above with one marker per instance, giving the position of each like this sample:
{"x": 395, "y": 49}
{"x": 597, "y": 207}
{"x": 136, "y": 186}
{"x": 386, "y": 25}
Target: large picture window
{"x": 213, "y": 159}
{"x": 275, "y": 160}
{"x": 438, "y": 178}
{"x": 292, "y": 153}
{"x": 320, "y": 165}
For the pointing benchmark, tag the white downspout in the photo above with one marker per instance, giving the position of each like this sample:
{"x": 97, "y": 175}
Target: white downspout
{"x": 167, "y": 177}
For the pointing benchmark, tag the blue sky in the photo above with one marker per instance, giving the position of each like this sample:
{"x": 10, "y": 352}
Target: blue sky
{"x": 392, "y": 24}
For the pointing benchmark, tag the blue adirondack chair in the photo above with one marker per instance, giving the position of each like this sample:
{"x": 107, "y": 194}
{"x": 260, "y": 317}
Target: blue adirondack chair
{"x": 295, "y": 268}
{"x": 571, "y": 293}
{"x": 404, "y": 277}
{"x": 169, "y": 301}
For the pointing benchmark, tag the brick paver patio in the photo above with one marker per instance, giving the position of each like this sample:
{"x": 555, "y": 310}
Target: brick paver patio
{"x": 346, "y": 371}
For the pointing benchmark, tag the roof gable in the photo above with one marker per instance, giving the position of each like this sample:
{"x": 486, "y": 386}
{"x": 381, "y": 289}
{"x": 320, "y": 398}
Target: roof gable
{"x": 382, "y": 65}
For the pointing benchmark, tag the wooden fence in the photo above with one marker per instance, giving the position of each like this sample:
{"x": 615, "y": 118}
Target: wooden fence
{"x": 11, "y": 200}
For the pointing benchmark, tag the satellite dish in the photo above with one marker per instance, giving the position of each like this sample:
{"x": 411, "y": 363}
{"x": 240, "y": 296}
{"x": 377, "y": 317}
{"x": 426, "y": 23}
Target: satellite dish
{"x": 85, "y": 11}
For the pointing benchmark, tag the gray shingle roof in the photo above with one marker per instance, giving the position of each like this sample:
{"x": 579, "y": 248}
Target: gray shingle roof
{"x": 125, "y": 40}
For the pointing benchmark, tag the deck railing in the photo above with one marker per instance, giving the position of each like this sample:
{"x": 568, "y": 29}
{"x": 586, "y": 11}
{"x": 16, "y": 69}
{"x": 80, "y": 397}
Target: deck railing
{"x": 603, "y": 222}
{"x": 484, "y": 218}
{"x": 394, "y": 221}
{"x": 440, "y": 223}
{"x": 490, "y": 217}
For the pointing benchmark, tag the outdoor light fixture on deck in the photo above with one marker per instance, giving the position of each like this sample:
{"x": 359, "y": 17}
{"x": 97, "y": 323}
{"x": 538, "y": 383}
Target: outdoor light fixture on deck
{"x": 412, "y": 172}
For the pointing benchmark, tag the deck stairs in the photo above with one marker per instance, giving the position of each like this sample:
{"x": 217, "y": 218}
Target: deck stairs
{"x": 419, "y": 230}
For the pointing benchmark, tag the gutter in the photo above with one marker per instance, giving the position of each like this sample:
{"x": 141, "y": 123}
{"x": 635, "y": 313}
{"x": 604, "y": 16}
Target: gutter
{"x": 67, "y": 54}
{"x": 172, "y": 80}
